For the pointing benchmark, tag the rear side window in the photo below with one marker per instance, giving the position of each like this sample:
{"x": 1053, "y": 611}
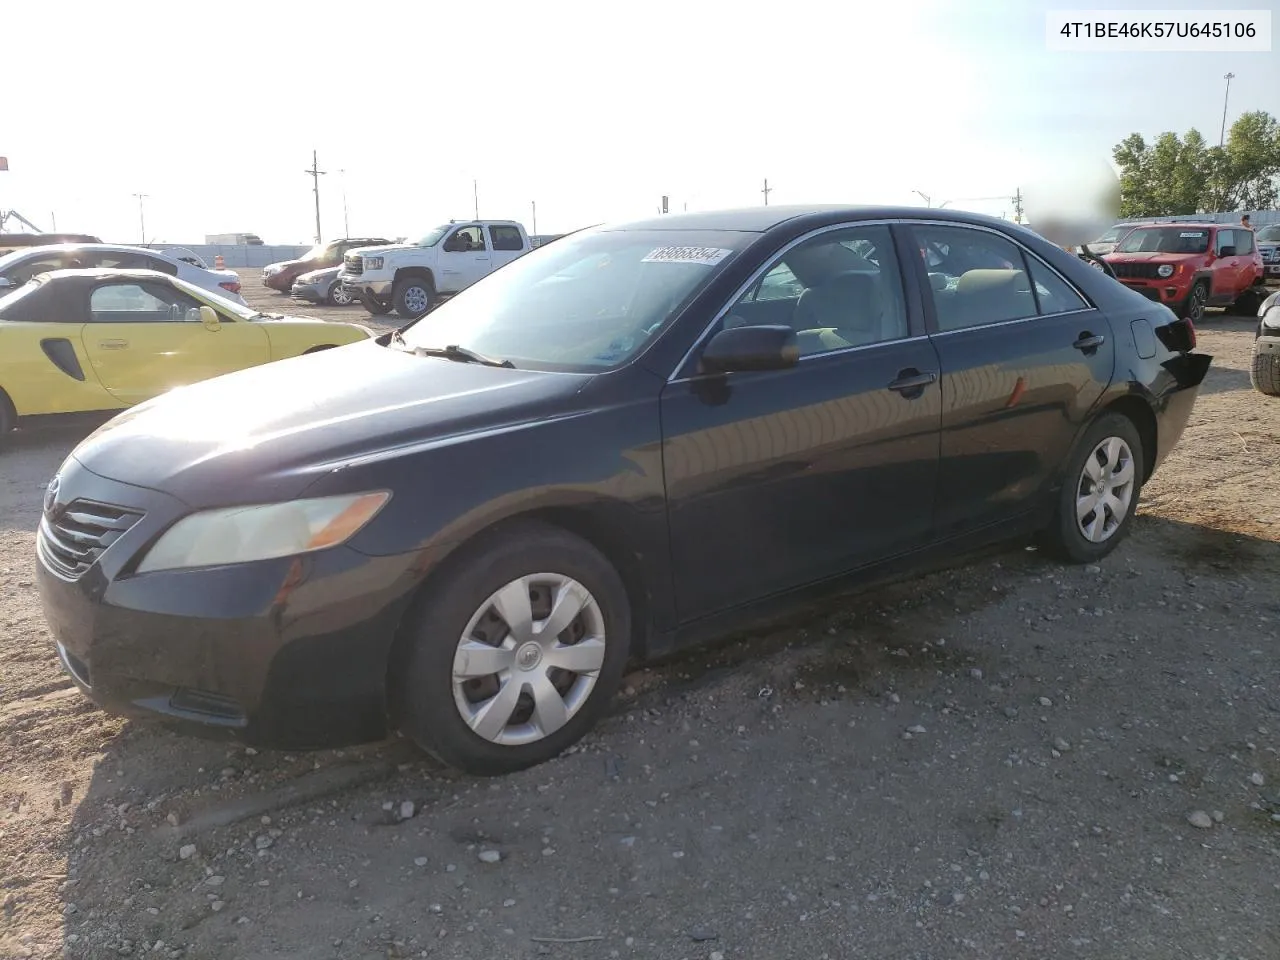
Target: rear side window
{"x": 23, "y": 305}
{"x": 1053, "y": 294}
{"x": 506, "y": 238}
{"x": 976, "y": 277}
{"x": 164, "y": 266}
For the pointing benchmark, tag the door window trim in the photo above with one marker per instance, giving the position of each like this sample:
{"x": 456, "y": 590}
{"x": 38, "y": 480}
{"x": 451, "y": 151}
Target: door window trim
{"x": 758, "y": 275}
{"x": 922, "y": 276}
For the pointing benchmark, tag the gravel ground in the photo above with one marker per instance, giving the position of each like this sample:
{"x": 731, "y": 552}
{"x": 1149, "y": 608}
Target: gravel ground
{"x": 1011, "y": 759}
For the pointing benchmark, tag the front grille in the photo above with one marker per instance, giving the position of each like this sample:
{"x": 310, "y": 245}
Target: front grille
{"x": 1136, "y": 271}
{"x": 1270, "y": 254}
{"x": 74, "y": 541}
{"x": 353, "y": 265}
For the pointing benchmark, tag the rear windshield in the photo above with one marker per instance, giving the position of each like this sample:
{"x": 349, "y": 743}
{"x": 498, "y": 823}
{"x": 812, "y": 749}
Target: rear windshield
{"x": 1270, "y": 234}
{"x": 1165, "y": 240}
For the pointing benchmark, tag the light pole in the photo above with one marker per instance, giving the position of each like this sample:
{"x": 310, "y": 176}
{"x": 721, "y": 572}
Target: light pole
{"x": 315, "y": 173}
{"x": 1222, "y": 137}
{"x": 927, "y": 201}
{"x": 534, "y": 209}
{"x": 346, "y": 223}
{"x": 142, "y": 222}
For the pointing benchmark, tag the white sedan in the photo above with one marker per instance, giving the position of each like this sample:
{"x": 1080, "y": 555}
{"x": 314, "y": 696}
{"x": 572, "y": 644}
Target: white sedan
{"x": 20, "y": 266}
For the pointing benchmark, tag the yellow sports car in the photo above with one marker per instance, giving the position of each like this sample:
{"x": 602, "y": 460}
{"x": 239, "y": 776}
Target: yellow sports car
{"x": 78, "y": 341}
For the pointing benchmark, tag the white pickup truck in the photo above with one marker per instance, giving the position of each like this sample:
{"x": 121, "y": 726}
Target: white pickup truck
{"x": 411, "y": 278}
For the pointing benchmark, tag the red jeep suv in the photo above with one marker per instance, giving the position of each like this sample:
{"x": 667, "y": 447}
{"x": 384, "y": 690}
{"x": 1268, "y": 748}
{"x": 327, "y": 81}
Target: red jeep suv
{"x": 1190, "y": 266}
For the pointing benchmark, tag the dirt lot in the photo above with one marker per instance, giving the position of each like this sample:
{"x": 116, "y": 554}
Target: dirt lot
{"x": 993, "y": 762}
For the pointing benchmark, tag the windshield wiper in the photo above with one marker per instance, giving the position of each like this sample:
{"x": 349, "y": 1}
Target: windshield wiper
{"x": 462, "y": 355}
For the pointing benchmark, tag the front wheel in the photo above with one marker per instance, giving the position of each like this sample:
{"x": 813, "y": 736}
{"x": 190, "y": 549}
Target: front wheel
{"x": 339, "y": 296}
{"x": 1099, "y": 497}
{"x": 1264, "y": 371}
{"x": 514, "y": 652}
{"x": 1193, "y": 308}
{"x": 8, "y": 418}
{"x": 413, "y": 297}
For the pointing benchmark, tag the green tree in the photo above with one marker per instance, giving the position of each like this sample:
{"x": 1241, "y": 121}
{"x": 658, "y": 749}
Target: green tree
{"x": 1181, "y": 175}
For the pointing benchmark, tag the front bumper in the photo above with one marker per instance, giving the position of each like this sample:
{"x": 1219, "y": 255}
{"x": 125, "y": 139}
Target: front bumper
{"x": 310, "y": 292}
{"x": 288, "y": 653}
{"x": 1161, "y": 291}
{"x": 277, "y": 281}
{"x": 365, "y": 287}
{"x": 1272, "y": 271}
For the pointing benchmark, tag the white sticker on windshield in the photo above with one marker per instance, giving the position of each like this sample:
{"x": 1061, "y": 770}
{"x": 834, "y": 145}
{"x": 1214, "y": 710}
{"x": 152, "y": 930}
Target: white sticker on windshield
{"x": 1191, "y": 233}
{"x": 706, "y": 256}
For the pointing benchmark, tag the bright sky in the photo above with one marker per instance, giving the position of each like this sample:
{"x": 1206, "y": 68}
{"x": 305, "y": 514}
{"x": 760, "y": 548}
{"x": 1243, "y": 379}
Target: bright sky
{"x": 593, "y": 110}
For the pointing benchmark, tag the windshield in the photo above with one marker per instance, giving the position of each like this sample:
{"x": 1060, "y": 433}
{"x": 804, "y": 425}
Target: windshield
{"x": 317, "y": 252}
{"x": 1165, "y": 240}
{"x": 587, "y": 302}
{"x": 432, "y": 236}
{"x": 1112, "y": 235}
{"x": 1269, "y": 234}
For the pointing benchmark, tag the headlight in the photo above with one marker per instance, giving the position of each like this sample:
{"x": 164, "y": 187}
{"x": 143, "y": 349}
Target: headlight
{"x": 373, "y": 263}
{"x": 1164, "y": 270}
{"x": 271, "y": 271}
{"x": 1270, "y": 312}
{"x": 261, "y": 532}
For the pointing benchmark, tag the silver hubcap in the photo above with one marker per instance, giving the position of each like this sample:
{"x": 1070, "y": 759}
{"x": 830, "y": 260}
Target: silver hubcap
{"x": 340, "y": 296}
{"x": 1105, "y": 491}
{"x": 528, "y": 659}
{"x": 416, "y": 299}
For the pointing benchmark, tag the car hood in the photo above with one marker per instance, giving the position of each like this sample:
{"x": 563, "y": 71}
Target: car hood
{"x": 1153, "y": 256}
{"x": 316, "y": 276}
{"x": 268, "y": 432}
{"x": 388, "y": 248}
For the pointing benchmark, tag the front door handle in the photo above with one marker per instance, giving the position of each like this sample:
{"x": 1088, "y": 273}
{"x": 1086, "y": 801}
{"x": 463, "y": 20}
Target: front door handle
{"x": 911, "y": 382}
{"x": 113, "y": 344}
{"x": 1089, "y": 342}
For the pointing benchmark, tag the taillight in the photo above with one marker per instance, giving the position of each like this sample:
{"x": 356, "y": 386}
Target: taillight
{"x": 231, "y": 285}
{"x": 1191, "y": 334}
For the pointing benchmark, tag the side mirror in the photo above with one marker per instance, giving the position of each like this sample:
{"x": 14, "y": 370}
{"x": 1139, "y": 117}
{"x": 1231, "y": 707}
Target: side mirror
{"x": 209, "y": 317}
{"x": 751, "y": 348}
{"x": 1227, "y": 251}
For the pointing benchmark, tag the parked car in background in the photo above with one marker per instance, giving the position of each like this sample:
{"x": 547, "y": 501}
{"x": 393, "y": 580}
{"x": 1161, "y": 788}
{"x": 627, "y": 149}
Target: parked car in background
{"x": 1268, "y": 238}
{"x": 321, "y": 286}
{"x": 233, "y": 240}
{"x": 410, "y": 278}
{"x": 10, "y": 242}
{"x": 1264, "y": 371}
{"x": 607, "y": 449}
{"x": 280, "y": 276}
{"x": 75, "y": 341}
{"x": 19, "y": 267}
{"x": 184, "y": 255}
{"x": 1190, "y": 266}
{"x": 1107, "y": 242}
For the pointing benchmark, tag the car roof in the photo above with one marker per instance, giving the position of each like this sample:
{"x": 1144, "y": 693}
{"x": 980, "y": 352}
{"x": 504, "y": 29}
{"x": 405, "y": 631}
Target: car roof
{"x": 115, "y": 247}
{"x": 1184, "y": 223}
{"x": 89, "y": 274}
{"x": 762, "y": 219}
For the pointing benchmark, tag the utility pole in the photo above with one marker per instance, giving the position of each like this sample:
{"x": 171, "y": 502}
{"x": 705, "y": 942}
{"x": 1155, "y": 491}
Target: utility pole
{"x": 142, "y": 222}
{"x": 346, "y": 221}
{"x": 534, "y": 205}
{"x": 1222, "y": 137}
{"x": 928, "y": 201}
{"x": 766, "y": 191}
{"x": 475, "y": 194}
{"x": 1017, "y": 206}
{"x": 315, "y": 173}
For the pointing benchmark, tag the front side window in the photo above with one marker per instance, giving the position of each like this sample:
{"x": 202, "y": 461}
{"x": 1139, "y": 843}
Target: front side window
{"x": 1224, "y": 239}
{"x": 587, "y": 302}
{"x": 837, "y": 290}
{"x": 465, "y": 240}
{"x": 1173, "y": 239}
{"x": 976, "y": 277}
{"x": 141, "y": 303}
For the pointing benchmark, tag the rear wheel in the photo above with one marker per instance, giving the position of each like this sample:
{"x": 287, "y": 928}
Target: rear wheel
{"x": 1246, "y": 305}
{"x": 1264, "y": 371}
{"x": 413, "y": 297}
{"x": 1099, "y": 497}
{"x": 514, "y": 652}
{"x": 8, "y": 417}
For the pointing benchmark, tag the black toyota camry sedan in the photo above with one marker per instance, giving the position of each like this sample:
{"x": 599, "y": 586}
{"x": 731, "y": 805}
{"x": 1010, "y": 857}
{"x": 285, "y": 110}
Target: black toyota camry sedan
{"x": 617, "y": 444}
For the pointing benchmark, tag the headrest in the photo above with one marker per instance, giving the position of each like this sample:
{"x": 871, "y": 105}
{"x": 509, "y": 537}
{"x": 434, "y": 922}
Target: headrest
{"x": 991, "y": 281}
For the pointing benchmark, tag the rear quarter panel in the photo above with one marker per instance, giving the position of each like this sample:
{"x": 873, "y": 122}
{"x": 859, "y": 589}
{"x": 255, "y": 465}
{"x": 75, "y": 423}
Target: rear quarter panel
{"x": 35, "y": 384}
{"x": 291, "y": 339}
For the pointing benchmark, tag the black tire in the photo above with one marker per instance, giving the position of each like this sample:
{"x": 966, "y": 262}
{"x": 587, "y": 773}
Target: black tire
{"x": 1063, "y": 538}
{"x": 422, "y": 689}
{"x": 1193, "y": 306}
{"x": 413, "y": 297}
{"x": 1264, "y": 372}
{"x": 375, "y": 307}
{"x": 1246, "y": 305}
{"x": 8, "y": 418}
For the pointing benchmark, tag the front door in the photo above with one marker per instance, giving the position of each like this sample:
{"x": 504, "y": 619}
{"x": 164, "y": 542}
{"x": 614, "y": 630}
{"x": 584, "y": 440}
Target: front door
{"x": 1024, "y": 360}
{"x": 782, "y": 478}
{"x": 1228, "y": 271}
{"x": 464, "y": 259}
{"x": 145, "y": 337}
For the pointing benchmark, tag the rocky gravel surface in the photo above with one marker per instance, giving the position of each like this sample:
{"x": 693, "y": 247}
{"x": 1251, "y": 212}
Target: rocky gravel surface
{"x": 1010, "y": 759}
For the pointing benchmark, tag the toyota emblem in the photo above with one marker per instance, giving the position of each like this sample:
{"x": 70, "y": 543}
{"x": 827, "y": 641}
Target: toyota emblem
{"x": 51, "y": 495}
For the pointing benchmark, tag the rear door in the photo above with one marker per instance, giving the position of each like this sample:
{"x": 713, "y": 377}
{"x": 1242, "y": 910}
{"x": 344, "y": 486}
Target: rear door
{"x": 464, "y": 258}
{"x": 1024, "y": 359}
{"x": 781, "y": 478}
{"x": 506, "y": 243}
{"x": 146, "y": 337}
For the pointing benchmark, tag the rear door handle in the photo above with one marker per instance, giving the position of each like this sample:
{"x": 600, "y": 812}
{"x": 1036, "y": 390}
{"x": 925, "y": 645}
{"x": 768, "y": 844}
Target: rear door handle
{"x": 909, "y": 380}
{"x": 1089, "y": 341}
{"x": 113, "y": 344}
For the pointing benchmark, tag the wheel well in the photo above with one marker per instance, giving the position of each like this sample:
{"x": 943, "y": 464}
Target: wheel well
{"x": 1139, "y": 412}
{"x": 423, "y": 272}
{"x": 8, "y": 413}
{"x": 318, "y": 348}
